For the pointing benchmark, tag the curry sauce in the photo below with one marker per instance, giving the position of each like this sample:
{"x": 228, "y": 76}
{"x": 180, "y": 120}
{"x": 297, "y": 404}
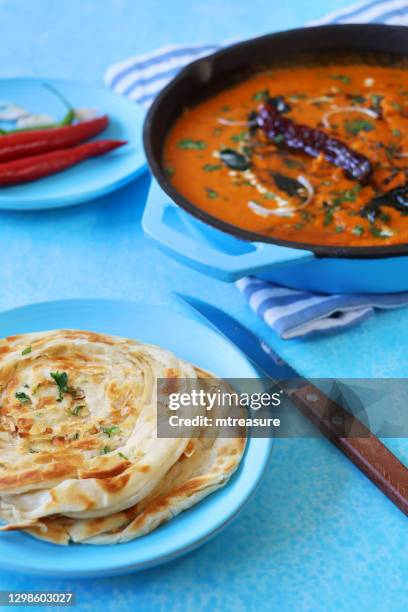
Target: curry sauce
{"x": 221, "y": 159}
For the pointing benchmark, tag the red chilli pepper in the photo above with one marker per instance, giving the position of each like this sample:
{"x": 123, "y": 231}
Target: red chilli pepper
{"x": 312, "y": 141}
{"x": 40, "y": 166}
{"x": 36, "y": 142}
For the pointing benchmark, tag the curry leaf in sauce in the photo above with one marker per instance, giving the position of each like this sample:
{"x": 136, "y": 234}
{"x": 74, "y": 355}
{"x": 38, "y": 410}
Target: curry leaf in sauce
{"x": 279, "y": 103}
{"x": 355, "y": 126}
{"x": 395, "y": 198}
{"x": 234, "y": 160}
{"x": 287, "y": 184}
{"x": 358, "y": 99}
{"x": 188, "y": 143}
{"x": 341, "y": 77}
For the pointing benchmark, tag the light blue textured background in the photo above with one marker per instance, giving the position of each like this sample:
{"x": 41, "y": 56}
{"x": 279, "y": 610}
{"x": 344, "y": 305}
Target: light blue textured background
{"x": 318, "y": 535}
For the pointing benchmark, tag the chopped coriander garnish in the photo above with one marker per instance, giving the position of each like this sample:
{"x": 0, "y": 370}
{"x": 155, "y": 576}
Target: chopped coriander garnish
{"x": 77, "y": 409}
{"x": 358, "y": 230}
{"x": 75, "y": 436}
{"x": 105, "y": 450}
{"x": 261, "y": 95}
{"x": 269, "y": 195}
{"x": 355, "y": 126}
{"x": 339, "y": 229}
{"x": 279, "y": 138}
{"x": 306, "y": 215}
{"x": 27, "y": 350}
{"x": 61, "y": 380}
{"x": 346, "y": 195}
{"x": 384, "y": 217}
{"x": 396, "y": 133}
{"x": 390, "y": 151}
{"x": 211, "y": 193}
{"x": 341, "y": 77}
{"x": 376, "y": 101}
{"x": 123, "y": 456}
{"x": 110, "y": 431}
{"x": 225, "y": 108}
{"x": 247, "y": 151}
{"x": 211, "y": 167}
{"x": 358, "y": 99}
{"x": 32, "y": 450}
{"x": 328, "y": 216}
{"x": 188, "y": 143}
{"x": 292, "y": 163}
{"x": 169, "y": 170}
{"x": 239, "y": 137}
{"x": 377, "y": 232}
{"x": 23, "y": 398}
{"x": 297, "y": 96}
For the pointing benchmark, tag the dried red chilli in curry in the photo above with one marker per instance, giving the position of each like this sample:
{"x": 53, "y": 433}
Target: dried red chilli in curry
{"x": 39, "y": 166}
{"x": 298, "y": 137}
{"x": 24, "y": 144}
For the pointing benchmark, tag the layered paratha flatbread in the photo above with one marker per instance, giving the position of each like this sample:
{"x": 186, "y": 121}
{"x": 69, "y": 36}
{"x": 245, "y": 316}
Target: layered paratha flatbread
{"x": 79, "y": 451}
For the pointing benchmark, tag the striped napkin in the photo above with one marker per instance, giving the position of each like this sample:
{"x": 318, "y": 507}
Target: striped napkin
{"x": 291, "y": 313}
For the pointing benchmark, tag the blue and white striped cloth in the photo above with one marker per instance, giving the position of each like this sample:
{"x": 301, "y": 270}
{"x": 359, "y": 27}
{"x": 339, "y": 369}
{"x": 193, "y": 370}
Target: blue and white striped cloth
{"x": 291, "y": 313}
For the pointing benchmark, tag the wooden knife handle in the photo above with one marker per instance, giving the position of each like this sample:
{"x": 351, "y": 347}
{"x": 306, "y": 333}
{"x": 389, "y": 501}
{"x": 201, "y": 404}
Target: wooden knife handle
{"x": 356, "y": 441}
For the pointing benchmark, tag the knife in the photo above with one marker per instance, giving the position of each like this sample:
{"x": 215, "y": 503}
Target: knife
{"x": 363, "y": 448}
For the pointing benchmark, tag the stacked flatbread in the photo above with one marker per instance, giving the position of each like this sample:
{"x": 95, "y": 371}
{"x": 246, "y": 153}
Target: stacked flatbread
{"x": 80, "y": 458}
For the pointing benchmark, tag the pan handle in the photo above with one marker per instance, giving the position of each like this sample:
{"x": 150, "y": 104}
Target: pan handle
{"x": 207, "y": 249}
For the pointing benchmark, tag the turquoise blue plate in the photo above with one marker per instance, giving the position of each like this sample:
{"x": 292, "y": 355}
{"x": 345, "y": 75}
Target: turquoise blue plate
{"x": 94, "y": 177}
{"x": 191, "y": 340}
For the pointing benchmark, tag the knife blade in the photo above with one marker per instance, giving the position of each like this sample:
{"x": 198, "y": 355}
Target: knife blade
{"x": 363, "y": 448}
{"x": 257, "y": 351}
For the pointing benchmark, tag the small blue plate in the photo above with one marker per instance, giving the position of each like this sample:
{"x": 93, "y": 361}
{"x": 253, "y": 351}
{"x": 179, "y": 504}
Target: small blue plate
{"x": 190, "y": 339}
{"x": 94, "y": 177}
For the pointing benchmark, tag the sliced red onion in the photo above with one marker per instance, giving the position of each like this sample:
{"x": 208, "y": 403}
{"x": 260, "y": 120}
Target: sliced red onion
{"x": 267, "y": 212}
{"x": 348, "y": 109}
{"x": 309, "y": 188}
{"x": 225, "y": 121}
